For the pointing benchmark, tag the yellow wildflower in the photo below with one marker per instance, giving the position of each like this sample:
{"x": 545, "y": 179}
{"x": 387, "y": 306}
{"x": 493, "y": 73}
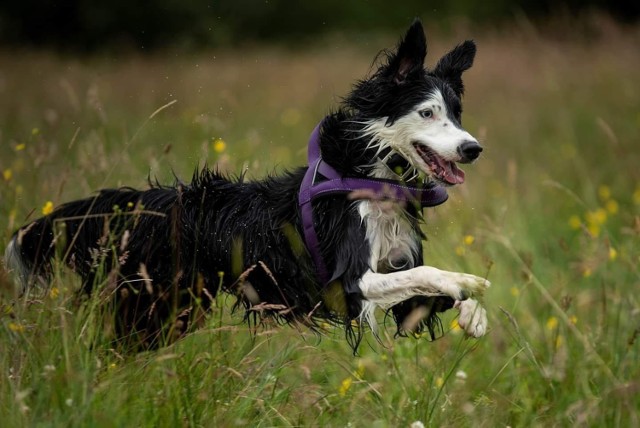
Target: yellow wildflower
{"x": 594, "y": 229}
{"x": 552, "y": 323}
{"x": 455, "y": 326}
{"x": 598, "y": 216}
{"x": 587, "y": 272}
{"x": 18, "y": 328}
{"x": 613, "y": 254}
{"x": 54, "y": 292}
{"x": 439, "y": 382}
{"x": 35, "y": 131}
{"x": 219, "y": 145}
{"x": 344, "y": 386}
{"x": 573, "y": 319}
{"x": 7, "y": 174}
{"x": 575, "y": 222}
{"x": 595, "y": 219}
{"x": 20, "y": 147}
{"x": 47, "y": 208}
{"x": 612, "y": 206}
{"x": 515, "y": 292}
{"x": 468, "y": 239}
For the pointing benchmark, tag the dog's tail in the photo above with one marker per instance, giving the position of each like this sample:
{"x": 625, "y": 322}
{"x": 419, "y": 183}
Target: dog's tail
{"x": 29, "y": 253}
{"x": 16, "y": 264}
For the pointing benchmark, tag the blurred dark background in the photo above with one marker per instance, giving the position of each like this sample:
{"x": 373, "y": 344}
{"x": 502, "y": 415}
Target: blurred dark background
{"x": 94, "y": 25}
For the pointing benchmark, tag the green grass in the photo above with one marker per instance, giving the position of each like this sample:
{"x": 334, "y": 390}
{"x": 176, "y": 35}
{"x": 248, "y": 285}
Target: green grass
{"x": 551, "y": 213}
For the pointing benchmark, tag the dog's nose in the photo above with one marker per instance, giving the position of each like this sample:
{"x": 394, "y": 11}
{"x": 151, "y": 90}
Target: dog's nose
{"x": 469, "y": 151}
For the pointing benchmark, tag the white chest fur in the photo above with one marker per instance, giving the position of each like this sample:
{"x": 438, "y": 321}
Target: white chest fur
{"x": 392, "y": 240}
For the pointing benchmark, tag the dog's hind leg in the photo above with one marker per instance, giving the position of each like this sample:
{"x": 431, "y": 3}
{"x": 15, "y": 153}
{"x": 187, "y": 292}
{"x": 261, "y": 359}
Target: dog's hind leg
{"x": 388, "y": 289}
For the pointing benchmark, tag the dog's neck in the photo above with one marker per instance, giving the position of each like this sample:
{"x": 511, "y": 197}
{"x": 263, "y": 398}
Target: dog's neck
{"x": 323, "y": 179}
{"x": 347, "y": 148}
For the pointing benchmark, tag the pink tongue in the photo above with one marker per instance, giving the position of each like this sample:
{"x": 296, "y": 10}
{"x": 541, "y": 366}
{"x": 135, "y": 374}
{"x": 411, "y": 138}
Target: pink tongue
{"x": 453, "y": 174}
{"x": 450, "y": 172}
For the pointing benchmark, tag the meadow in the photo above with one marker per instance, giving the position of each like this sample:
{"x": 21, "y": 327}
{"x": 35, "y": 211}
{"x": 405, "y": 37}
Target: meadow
{"x": 550, "y": 214}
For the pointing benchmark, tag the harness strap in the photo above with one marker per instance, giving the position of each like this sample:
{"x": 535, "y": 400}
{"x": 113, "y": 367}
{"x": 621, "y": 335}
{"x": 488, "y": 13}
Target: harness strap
{"x": 337, "y": 184}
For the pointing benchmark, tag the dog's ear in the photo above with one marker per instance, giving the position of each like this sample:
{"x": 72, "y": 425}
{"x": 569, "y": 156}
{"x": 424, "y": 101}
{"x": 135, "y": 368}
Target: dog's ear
{"x": 410, "y": 54}
{"x": 452, "y": 65}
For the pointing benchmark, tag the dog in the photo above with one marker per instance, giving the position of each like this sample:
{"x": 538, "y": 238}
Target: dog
{"x": 331, "y": 241}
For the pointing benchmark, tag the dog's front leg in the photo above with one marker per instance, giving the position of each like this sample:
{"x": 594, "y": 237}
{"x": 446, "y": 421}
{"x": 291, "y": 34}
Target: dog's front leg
{"x": 386, "y": 290}
{"x": 473, "y": 317}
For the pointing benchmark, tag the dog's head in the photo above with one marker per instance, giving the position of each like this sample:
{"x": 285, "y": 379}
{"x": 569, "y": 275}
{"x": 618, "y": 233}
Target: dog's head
{"x": 413, "y": 115}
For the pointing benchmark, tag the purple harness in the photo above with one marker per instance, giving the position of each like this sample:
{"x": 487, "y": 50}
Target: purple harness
{"x": 336, "y": 184}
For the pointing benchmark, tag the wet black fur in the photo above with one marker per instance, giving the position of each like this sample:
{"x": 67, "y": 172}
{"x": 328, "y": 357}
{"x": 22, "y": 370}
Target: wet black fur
{"x": 193, "y": 240}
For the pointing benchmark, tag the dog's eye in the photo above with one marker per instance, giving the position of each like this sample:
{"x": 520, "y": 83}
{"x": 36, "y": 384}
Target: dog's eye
{"x": 426, "y": 114}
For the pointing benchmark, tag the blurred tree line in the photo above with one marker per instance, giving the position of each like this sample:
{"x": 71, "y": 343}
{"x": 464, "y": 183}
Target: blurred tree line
{"x": 88, "y": 25}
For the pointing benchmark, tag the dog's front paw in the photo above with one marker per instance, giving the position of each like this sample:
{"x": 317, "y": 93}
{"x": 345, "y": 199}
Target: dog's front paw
{"x": 473, "y": 317}
{"x": 472, "y": 285}
{"x": 459, "y": 286}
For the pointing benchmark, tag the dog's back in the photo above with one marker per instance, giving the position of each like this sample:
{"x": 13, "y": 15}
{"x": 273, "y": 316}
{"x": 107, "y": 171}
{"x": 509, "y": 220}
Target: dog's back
{"x": 164, "y": 250}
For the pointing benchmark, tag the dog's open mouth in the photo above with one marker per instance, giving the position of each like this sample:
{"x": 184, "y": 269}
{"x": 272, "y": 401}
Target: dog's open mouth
{"x": 443, "y": 170}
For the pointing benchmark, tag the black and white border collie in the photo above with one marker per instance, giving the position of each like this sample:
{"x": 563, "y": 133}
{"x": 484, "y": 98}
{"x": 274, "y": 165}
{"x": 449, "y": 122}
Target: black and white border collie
{"x": 162, "y": 254}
